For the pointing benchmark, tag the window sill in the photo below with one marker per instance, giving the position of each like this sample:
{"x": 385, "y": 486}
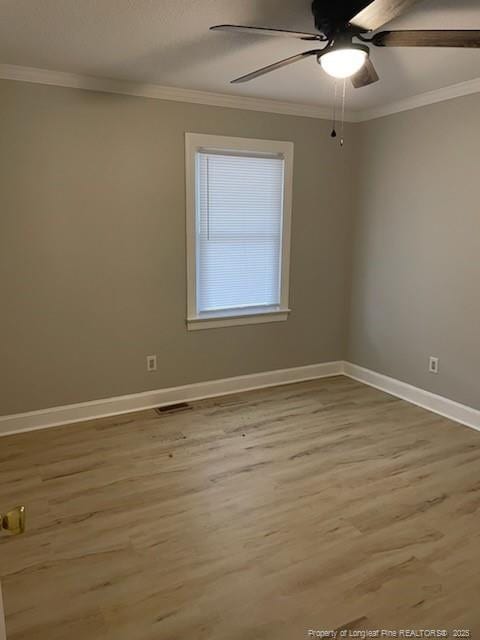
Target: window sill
{"x": 236, "y": 318}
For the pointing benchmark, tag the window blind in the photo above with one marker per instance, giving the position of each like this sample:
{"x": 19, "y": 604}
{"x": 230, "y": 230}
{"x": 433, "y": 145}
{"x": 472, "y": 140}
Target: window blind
{"x": 238, "y": 230}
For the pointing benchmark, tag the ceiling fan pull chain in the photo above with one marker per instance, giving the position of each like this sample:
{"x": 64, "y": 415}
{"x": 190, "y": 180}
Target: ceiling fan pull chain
{"x": 343, "y": 111}
{"x": 334, "y": 124}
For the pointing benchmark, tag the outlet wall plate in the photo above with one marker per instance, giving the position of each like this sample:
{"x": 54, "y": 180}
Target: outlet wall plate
{"x": 433, "y": 364}
{"x": 151, "y": 363}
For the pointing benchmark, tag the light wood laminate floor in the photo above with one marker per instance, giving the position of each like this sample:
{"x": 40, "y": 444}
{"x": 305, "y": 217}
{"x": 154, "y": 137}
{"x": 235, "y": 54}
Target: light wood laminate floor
{"x": 256, "y": 516}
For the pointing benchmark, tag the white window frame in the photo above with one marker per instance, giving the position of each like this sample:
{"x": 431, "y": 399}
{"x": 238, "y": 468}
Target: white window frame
{"x": 195, "y": 142}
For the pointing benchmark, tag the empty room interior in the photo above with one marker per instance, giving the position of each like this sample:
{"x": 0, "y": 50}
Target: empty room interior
{"x": 240, "y": 319}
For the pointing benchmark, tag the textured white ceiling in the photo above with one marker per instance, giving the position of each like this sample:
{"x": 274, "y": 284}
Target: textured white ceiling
{"x": 168, "y": 42}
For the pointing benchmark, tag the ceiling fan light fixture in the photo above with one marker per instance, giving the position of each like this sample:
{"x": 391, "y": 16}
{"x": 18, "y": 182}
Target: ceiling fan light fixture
{"x": 344, "y": 62}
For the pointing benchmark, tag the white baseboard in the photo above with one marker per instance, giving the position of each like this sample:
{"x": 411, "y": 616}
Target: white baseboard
{"x": 437, "y": 404}
{"x": 67, "y": 414}
{"x": 82, "y": 411}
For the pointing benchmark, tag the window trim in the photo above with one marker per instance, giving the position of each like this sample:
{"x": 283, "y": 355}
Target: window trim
{"x": 195, "y": 142}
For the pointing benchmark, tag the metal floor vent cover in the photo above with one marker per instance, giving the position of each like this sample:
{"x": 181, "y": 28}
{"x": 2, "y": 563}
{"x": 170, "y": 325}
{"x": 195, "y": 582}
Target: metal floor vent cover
{"x": 172, "y": 408}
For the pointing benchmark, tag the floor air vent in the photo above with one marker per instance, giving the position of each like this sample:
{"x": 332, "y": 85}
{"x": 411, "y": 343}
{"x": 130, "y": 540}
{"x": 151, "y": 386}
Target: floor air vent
{"x": 172, "y": 408}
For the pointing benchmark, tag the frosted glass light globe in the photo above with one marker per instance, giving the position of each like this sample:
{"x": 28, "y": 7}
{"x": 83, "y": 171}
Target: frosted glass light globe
{"x": 343, "y": 63}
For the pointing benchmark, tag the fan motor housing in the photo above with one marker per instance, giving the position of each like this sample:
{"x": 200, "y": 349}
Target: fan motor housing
{"x": 332, "y": 17}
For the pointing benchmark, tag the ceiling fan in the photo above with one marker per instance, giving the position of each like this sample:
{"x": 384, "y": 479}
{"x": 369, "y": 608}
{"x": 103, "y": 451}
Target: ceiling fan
{"x": 340, "y": 21}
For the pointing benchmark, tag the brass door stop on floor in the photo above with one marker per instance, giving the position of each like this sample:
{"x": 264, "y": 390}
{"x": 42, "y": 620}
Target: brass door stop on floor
{"x": 13, "y": 522}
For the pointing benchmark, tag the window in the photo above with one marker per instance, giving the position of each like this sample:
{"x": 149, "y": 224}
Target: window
{"x": 238, "y": 230}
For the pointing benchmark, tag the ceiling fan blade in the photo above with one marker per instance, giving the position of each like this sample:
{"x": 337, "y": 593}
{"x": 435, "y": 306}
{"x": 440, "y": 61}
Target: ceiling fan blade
{"x": 276, "y": 65}
{"x": 379, "y": 12}
{"x": 265, "y": 31}
{"x": 431, "y": 38}
{"x": 367, "y": 75}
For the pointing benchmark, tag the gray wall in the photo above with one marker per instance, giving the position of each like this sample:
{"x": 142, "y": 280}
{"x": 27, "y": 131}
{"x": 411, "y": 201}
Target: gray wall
{"x": 92, "y": 247}
{"x": 385, "y": 266}
{"x": 416, "y": 259}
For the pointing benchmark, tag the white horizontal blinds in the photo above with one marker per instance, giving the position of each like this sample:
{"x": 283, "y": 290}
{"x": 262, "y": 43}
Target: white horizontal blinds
{"x": 239, "y": 230}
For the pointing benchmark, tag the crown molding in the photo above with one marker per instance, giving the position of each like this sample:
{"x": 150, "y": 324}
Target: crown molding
{"x": 159, "y": 92}
{"x": 421, "y": 100}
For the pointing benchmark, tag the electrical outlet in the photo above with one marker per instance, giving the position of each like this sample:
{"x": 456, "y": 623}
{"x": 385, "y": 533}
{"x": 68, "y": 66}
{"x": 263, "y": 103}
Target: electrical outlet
{"x": 151, "y": 363}
{"x": 433, "y": 365}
